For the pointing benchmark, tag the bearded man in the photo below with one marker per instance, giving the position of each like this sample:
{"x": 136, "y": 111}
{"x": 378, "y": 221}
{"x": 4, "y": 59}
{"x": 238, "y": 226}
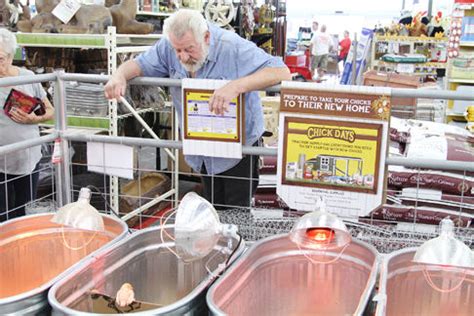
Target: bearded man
{"x": 194, "y": 48}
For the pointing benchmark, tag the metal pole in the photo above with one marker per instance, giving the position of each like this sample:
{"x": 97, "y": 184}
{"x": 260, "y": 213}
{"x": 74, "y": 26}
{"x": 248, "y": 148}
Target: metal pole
{"x": 354, "y": 61}
{"x": 175, "y": 174}
{"x": 144, "y": 124}
{"x": 250, "y": 150}
{"x": 430, "y": 9}
{"x": 28, "y": 143}
{"x": 62, "y": 170}
{"x": 145, "y": 81}
{"x": 22, "y": 80}
{"x": 167, "y": 82}
{"x": 111, "y": 40}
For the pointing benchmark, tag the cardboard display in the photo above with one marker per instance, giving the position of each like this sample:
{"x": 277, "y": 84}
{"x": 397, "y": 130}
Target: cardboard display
{"x": 333, "y": 145}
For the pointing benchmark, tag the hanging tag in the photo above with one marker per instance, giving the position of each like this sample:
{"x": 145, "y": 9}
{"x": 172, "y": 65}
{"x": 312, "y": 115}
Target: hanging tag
{"x": 57, "y": 152}
{"x": 66, "y": 9}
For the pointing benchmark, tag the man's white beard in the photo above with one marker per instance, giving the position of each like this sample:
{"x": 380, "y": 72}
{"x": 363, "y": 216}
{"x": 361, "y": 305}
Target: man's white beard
{"x": 195, "y": 67}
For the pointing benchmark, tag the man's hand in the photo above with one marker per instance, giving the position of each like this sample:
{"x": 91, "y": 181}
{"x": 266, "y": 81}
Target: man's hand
{"x": 219, "y": 101}
{"x": 115, "y": 87}
{"x": 22, "y": 117}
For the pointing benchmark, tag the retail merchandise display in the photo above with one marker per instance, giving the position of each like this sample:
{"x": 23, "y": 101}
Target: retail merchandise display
{"x": 376, "y": 179}
{"x": 437, "y": 193}
{"x": 88, "y": 19}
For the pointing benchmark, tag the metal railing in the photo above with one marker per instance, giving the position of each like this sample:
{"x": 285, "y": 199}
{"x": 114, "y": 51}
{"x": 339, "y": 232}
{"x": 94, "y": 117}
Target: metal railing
{"x": 257, "y": 225}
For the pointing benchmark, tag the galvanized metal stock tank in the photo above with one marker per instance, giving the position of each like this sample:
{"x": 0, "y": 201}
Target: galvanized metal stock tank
{"x": 276, "y": 277}
{"x": 156, "y": 274}
{"x": 35, "y": 253}
{"x": 405, "y": 289}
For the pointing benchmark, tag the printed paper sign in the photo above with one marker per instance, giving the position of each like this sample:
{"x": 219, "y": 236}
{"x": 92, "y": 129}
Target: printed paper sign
{"x": 112, "y": 159}
{"x": 406, "y": 68}
{"x": 204, "y": 132}
{"x": 326, "y": 154}
{"x": 333, "y": 146}
{"x": 66, "y": 9}
{"x": 201, "y": 123}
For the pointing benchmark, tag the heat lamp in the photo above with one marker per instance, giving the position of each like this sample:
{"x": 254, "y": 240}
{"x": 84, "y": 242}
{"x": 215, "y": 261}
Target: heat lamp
{"x": 198, "y": 228}
{"x": 445, "y": 250}
{"x": 447, "y": 255}
{"x": 80, "y": 214}
{"x": 320, "y": 230}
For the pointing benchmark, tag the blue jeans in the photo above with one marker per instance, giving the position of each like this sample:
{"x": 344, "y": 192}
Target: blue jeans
{"x": 15, "y": 192}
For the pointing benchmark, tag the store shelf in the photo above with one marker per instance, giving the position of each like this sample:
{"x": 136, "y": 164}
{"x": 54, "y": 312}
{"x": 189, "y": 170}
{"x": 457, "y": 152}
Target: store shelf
{"x": 410, "y": 39}
{"x": 460, "y": 77}
{"x": 60, "y": 40}
{"x": 137, "y": 39}
{"x": 455, "y": 115}
{"x": 150, "y": 13}
{"x": 428, "y": 46}
{"x": 469, "y": 81}
{"x": 82, "y": 40}
{"x": 466, "y": 44}
{"x": 49, "y": 128}
{"x": 96, "y": 123}
{"x": 142, "y": 111}
{"x": 427, "y": 64}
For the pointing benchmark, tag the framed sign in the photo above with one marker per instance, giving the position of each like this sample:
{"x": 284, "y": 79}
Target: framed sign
{"x": 204, "y": 132}
{"x": 333, "y": 145}
{"x": 201, "y": 123}
{"x": 325, "y": 154}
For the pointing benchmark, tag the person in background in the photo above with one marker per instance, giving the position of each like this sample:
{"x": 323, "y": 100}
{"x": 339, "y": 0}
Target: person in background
{"x": 18, "y": 170}
{"x": 344, "y": 47}
{"x": 194, "y": 48}
{"x": 312, "y": 48}
{"x": 321, "y": 44}
{"x": 314, "y": 28}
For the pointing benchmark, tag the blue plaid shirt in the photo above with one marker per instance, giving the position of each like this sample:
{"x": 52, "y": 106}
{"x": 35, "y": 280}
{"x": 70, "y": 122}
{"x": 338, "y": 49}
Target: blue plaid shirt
{"x": 230, "y": 57}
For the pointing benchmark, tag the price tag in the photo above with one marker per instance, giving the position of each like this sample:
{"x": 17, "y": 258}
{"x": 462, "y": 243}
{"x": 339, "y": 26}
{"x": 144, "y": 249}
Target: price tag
{"x": 66, "y": 9}
{"x": 406, "y": 68}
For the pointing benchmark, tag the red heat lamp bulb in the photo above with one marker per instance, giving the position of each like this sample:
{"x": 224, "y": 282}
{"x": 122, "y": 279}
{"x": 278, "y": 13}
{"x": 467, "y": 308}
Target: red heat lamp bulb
{"x": 320, "y": 235}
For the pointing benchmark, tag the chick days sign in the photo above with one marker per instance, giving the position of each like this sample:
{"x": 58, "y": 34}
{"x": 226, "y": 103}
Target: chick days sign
{"x": 333, "y": 145}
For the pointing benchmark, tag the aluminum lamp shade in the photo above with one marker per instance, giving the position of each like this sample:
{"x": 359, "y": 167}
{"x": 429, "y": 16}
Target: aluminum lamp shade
{"x": 80, "y": 214}
{"x": 197, "y": 228}
{"x": 445, "y": 249}
{"x": 320, "y": 230}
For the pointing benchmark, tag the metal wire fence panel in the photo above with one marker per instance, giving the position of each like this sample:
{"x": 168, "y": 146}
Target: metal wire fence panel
{"x": 254, "y": 221}
{"x": 27, "y": 181}
{"x": 150, "y": 195}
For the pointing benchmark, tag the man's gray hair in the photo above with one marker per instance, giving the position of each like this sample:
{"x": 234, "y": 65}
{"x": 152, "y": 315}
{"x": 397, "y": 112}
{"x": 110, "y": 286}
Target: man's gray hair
{"x": 8, "y": 41}
{"x": 183, "y": 21}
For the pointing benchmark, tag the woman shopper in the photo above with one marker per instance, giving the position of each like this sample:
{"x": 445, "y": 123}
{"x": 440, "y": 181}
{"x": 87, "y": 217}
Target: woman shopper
{"x": 18, "y": 170}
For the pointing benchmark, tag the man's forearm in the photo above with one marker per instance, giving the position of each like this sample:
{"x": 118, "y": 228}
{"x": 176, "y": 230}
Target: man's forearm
{"x": 129, "y": 70}
{"x": 262, "y": 79}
